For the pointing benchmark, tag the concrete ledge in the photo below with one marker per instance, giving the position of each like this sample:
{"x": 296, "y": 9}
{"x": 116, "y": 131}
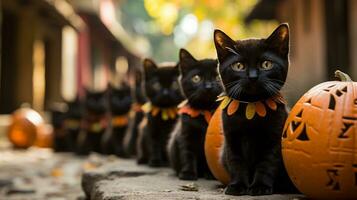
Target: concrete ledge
{"x": 124, "y": 179}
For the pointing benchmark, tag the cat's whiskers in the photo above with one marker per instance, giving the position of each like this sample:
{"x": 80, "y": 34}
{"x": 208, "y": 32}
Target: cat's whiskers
{"x": 235, "y": 90}
{"x": 271, "y": 87}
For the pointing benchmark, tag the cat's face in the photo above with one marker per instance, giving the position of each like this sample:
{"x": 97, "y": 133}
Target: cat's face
{"x": 199, "y": 80}
{"x": 161, "y": 84}
{"x": 253, "y": 69}
{"x": 96, "y": 102}
{"x": 120, "y": 99}
{"x": 74, "y": 109}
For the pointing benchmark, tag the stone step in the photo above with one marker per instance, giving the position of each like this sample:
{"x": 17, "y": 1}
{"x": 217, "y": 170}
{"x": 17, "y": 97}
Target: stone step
{"x": 123, "y": 179}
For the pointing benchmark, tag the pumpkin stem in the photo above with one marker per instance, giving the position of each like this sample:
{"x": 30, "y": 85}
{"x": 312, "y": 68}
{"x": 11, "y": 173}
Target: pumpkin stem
{"x": 342, "y": 76}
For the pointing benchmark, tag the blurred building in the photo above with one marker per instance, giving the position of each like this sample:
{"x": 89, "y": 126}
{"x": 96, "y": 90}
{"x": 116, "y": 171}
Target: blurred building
{"x": 323, "y": 38}
{"x": 53, "y": 49}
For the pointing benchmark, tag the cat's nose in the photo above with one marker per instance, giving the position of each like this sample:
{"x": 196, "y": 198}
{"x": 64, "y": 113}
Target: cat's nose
{"x": 208, "y": 85}
{"x": 165, "y": 92}
{"x": 253, "y": 75}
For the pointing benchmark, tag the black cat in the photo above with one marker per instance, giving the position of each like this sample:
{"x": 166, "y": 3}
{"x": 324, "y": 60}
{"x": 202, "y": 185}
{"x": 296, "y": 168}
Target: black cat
{"x": 94, "y": 123}
{"x": 200, "y": 84}
{"x": 61, "y": 140}
{"x": 139, "y": 100}
{"x": 163, "y": 93}
{"x": 72, "y": 122}
{"x": 120, "y": 102}
{"x": 253, "y": 71}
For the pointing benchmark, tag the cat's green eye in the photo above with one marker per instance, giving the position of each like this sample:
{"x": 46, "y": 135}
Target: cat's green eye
{"x": 196, "y": 79}
{"x": 266, "y": 65}
{"x": 156, "y": 86}
{"x": 175, "y": 85}
{"x": 238, "y": 66}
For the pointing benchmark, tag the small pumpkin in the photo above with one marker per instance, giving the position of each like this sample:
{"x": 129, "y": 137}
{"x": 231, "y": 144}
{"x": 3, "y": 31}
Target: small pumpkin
{"x": 319, "y": 141}
{"x": 23, "y": 128}
{"x": 213, "y": 144}
{"x": 45, "y": 136}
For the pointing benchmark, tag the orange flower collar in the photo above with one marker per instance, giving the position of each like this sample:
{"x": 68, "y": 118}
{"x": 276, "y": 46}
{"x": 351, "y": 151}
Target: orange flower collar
{"x": 166, "y": 113}
{"x": 137, "y": 107}
{"x": 120, "y": 120}
{"x": 252, "y": 108}
{"x": 185, "y": 108}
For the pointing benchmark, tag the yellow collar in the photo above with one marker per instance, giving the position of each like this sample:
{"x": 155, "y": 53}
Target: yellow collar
{"x": 166, "y": 113}
{"x": 258, "y": 107}
{"x": 72, "y": 124}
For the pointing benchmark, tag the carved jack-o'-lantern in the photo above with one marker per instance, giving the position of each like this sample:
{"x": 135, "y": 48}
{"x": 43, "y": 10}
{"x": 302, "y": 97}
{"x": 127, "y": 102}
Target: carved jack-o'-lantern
{"x": 213, "y": 144}
{"x": 23, "y": 128}
{"x": 319, "y": 141}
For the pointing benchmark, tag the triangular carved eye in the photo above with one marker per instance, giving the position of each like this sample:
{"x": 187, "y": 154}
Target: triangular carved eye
{"x": 338, "y": 93}
{"x": 332, "y": 103}
{"x": 344, "y": 89}
{"x": 308, "y": 101}
{"x": 303, "y": 135}
{"x": 295, "y": 124}
{"x": 299, "y": 114}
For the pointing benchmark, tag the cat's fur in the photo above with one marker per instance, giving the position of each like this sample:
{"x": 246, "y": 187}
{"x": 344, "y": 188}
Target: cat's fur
{"x": 139, "y": 100}
{"x": 72, "y": 123}
{"x": 95, "y": 122}
{"x": 61, "y": 142}
{"x": 252, "y": 148}
{"x": 120, "y": 102}
{"x": 162, "y": 90}
{"x": 186, "y": 145}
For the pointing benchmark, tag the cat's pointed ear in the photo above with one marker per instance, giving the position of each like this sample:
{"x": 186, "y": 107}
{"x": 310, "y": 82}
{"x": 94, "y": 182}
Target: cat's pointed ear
{"x": 279, "y": 40}
{"x": 224, "y": 44}
{"x": 186, "y": 60}
{"x": 149, "y": 66}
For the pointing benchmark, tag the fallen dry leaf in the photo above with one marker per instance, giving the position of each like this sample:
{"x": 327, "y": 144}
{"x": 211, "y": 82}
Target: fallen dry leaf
{"x": 57, "y": 172}
{"x": 189, "y": 187}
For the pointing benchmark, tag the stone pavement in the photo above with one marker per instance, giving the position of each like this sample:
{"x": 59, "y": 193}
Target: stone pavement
{"x": 123, "y": 179}
{"x": 40, "y": 174}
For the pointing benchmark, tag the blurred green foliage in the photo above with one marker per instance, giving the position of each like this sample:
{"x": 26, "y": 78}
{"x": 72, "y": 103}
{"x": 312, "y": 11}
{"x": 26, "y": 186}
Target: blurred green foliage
{"x": 172, "y": 24}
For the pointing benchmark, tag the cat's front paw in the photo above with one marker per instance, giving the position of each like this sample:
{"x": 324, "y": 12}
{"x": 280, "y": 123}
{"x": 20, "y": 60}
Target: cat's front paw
{"x": 186, "y": 175}
{"x": 141, "y": 161}
{"x": 236, "y": 189}
{"x": 209, "y": 176}
{"x": 260, "y": 190}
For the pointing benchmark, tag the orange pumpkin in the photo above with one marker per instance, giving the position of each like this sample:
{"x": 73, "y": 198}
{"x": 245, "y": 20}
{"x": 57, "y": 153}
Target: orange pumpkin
{"x": 23, "y": 128}
{"x": 319, "y": 143}
{"x": 44, "y": 137}
{"x": 213, "y": 144}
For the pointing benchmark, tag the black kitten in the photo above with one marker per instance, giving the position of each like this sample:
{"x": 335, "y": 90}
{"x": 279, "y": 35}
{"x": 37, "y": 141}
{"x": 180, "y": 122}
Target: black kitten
{"x": 120, "y": 101}
{"x": 72, "y": 122}
{"x": 163, "y": 92}
{"x": 252, "y": 72}
{"x": 139, "y": 100}
{"x": 201, "y": 85}
{"x": 61, "y": 140}
{"x": 95, "y": 122}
